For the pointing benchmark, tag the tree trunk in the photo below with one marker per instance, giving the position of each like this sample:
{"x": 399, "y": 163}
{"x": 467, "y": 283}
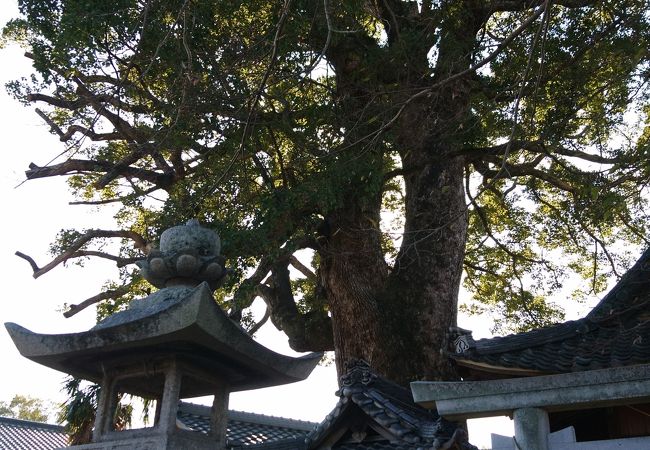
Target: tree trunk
{"x": 398, "y": 322}
{"x": 421, "y": 299}
{"x": 397, "y": 319}
{"x": 353, "y": 272}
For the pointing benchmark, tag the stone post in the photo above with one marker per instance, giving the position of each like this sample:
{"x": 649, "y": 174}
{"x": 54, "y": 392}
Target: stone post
{"x": 531, "y": 429}
{"x": 106, "y": 405}
{"x": 170, "y": 398}
{"x": 219, "y": 417}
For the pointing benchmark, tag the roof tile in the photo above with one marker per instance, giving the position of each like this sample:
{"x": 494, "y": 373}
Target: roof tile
{"x": 16, "y": 434}
{"x": 615, "y": 333}
{"x": 389, "y": 405}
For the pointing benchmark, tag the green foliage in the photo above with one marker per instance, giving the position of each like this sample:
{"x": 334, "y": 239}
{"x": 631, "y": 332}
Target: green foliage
{"x": 227, "y": 111}
{"x": 26, "y": 408}
{"x": 78, "y": 412}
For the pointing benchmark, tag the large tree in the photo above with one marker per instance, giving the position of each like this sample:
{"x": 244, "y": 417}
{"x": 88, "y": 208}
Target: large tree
{"x": 401, "y": 143}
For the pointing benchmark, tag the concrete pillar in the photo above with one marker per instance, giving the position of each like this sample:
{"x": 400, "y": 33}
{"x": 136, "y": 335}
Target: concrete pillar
{"x": 170, "y": 398}
{"x": 106, "y": 405}
{"x": 219, "y": 417}
{"x": 156, "y": 417}
{"x": 531, "y": 429}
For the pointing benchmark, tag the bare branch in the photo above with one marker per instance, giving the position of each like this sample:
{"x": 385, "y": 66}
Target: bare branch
{"x": 139, "y": 243}
{"x": 79, "y": 103}
{"x": 50, "y": 122}
{"x": 121, "y": 262}
{"x": 127, "y": 131}
{"x": 73, "y": 129}
{"x": 71, "y": 166}
{"x": 30, "y": 260}
{"x": 110, "y": 294}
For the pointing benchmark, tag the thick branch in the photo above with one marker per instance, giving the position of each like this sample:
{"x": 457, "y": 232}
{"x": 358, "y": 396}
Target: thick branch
{"x": 306, "y": 271}
{"x": 311, "y": 331}
{"x": 79, "y": 103}
{"x": 127, "y": 131}
{"x": 139, "y": 243}
{"x": 161, "y": 180}
{"x": 456, "y": 76}
{"x": 72, "y": 129}
{"x": 248, "y": 289}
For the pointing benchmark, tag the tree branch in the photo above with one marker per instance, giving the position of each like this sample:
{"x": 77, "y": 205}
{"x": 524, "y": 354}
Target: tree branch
{"x": 306, "y": 271}
{"x": 533, "y": 147}
{"x": 139, "y": 243}
{"x": 522, "y": 5}
{"x": 161, "y": 180}
{"x": 508, "y": 170}
{"x": 79, "y": 103}
{"x": 120, "y": 262}
{"x": 311, "y": 331}
{"x": 252, "y": 330}
{"x": 137, "y": 193}
{"x": 110, "y": 294}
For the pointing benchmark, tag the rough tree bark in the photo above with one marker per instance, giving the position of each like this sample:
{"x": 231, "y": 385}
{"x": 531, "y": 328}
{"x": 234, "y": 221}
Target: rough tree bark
{"x": 397, "y": 319}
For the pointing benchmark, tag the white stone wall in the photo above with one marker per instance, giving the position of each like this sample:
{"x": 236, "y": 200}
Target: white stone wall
{"x": 566, "y": 440}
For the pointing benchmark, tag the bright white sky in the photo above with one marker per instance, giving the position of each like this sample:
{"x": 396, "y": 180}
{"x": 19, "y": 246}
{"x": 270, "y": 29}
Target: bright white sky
{"x": 35, "y": 211}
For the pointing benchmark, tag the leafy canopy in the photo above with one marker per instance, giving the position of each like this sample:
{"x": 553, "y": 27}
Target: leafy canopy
{"x": 261, "y": 118}
{"x": 26, "y": 408}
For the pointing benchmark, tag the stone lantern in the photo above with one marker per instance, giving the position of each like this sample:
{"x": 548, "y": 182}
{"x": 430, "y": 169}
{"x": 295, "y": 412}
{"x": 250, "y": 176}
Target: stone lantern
{"x": 176, "y": 343}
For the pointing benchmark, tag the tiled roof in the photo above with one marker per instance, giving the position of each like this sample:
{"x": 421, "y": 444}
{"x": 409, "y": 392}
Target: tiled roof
{"x": 16, "y": 434}
{"x": 391, "y": 407}
{"x": 245, "y": 429}
{"x": 381, "y": 445}
{"x": 285, "y": 444}
{"x": 615, "y": 333}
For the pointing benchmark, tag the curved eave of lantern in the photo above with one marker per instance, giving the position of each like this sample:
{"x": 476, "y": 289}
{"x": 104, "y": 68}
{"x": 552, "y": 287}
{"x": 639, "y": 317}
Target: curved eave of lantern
{"x": 193, "y": 330}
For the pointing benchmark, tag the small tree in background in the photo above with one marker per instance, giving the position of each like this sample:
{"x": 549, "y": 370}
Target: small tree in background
{"x": 26, "y": 408}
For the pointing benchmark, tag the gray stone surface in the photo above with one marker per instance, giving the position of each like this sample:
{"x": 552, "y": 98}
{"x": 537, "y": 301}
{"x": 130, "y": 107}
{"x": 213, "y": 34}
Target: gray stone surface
{"x": 175, "y": 343}
{"x": 531, "y": 428}
{"x": 150, "y": 439}
{"x": 570, "y": 391}
{"x": 194, "y": 328}
{"x": 188, "y": 255}
{"x": 148, "y": 306}
{"x": 190, "y": 235}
